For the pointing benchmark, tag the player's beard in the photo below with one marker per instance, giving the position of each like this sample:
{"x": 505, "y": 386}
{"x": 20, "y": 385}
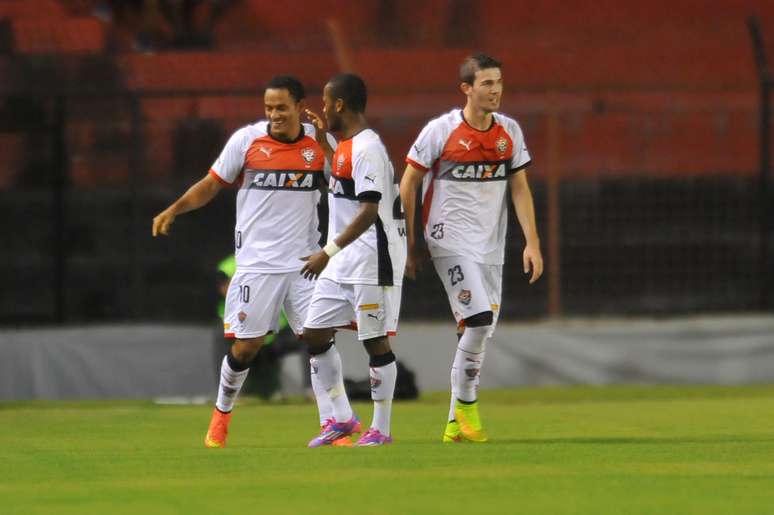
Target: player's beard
{"x": 334, "y": 123}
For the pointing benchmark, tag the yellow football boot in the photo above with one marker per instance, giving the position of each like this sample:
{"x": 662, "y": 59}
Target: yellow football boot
{"x": 469, "y": 421}
{"x": 452, "y": 432}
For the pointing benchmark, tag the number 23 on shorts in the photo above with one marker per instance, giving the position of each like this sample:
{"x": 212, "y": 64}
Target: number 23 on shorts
{"x": 455, "y": 274}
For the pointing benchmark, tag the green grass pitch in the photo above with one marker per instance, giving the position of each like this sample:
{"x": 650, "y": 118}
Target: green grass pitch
{"x": 616, "y": 450}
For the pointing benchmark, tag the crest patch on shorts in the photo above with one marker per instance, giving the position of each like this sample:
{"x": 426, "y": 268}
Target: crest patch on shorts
{"x": 464, "y": 297}
{"x": 242, "y": 316}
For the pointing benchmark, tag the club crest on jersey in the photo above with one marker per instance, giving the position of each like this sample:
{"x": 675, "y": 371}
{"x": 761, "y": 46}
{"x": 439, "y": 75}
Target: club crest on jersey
{"x": 308, "y": 155}
{"x": 340, "y": 162}
{"x": 464, "y": 297}
{"x": 501, "y": 144}
{"x": 479, "y": 171}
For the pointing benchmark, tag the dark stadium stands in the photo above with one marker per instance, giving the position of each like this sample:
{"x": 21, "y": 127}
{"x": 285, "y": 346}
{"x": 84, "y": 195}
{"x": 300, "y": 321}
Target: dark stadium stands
{"x": 656, "y": 103}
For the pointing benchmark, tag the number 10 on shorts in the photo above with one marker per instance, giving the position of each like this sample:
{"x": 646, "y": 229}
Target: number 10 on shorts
{"x": 244, "y": 293}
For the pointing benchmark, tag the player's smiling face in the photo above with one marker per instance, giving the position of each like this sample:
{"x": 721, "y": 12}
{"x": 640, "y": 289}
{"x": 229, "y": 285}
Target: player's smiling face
{"x": 487, "y": 90}
{"x": 283, "y": 113}
{"x": 332, "y": 117}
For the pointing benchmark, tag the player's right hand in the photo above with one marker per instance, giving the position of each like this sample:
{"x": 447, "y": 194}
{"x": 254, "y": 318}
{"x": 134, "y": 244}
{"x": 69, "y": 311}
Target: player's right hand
{"x": 314, "y": 265}
{"x": 162, "y": 223}
{"x": 413, "y": 264}
{"x": 316, "y": 119}
{"x": 320, "y": 134}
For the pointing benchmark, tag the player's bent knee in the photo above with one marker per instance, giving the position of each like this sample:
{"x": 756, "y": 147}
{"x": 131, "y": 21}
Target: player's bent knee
{"x": 377, "y": 346}
{"x": 380, "y": 360}
{"x": 319, "y": 348}
{"x": 318, "y": 341}
{"x": 480, "y": 319}
{"x": 243, "y": 352}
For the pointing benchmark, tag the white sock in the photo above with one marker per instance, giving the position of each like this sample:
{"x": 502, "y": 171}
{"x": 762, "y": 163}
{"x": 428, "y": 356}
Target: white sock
{"x": 453, "y": 383}
{"x": 230, "y": 384}
{"x": 328, "y": 366}
{"x": 478, "y": 377}
{"x": 324, "y": 406}
{"x": 467, "y": 362}
{"x": 382, "y": 391}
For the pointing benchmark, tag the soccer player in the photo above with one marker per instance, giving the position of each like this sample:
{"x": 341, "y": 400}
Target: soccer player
{"x": 278, "y": 165}
{"x": 361, "y": 268}
{"x": 465, "y": 159}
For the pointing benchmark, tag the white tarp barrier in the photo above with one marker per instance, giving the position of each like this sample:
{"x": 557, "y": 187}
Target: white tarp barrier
{"x": 145, "y": 361}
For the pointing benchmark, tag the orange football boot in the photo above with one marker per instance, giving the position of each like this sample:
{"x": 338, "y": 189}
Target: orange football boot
{"x": 218, "y": 430}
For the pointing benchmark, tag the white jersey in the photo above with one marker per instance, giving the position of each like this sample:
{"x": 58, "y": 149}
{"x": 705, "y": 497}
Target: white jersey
{"x": 276, "y": 207}
{"x": 464, "y": 196}
{"x": 362, "y": 172}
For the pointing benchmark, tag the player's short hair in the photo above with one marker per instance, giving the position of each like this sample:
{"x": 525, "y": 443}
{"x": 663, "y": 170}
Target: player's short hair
{"x": 292, "y": 84}
{"x": 474, "y": 63}
{"x": 351, "y": 89}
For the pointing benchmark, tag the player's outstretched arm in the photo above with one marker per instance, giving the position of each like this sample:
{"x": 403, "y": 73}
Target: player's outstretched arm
{"x": 364, "y": 219}
{"x": 409, "y": 184}
{"x": 521, "y": 196}
{"x": 198, "y": 195}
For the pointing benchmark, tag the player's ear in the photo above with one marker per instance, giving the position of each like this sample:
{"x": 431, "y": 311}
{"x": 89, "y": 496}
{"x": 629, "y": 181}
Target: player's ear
{"x": 339, "y": 105}
{"x": 466, "y": 88}
{"x": 301, "y": 105}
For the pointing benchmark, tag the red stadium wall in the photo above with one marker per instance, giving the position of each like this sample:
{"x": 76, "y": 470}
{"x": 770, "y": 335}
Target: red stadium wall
{"x": 664, "y": 88}
{"x": 657, "y": 206}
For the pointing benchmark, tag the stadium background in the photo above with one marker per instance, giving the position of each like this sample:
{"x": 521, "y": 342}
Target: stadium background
{"x": 643, "y": 120}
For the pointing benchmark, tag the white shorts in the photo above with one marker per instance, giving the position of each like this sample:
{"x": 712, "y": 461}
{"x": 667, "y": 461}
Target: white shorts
{"x": 372, "y": 310}
{"x": 254, "y": 301}
{"x": 472, "y": 287}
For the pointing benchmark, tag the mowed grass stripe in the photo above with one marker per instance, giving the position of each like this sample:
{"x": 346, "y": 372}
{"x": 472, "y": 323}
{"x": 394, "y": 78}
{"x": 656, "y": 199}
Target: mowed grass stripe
{"x": 553, "y": 450}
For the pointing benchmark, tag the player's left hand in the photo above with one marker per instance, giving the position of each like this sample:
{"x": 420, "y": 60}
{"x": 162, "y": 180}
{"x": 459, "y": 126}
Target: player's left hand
{"x": 533, "y": 260}
{"x": 315, "y": 264}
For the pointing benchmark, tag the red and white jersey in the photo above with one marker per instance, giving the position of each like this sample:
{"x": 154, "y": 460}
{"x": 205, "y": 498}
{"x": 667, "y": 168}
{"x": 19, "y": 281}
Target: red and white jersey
{"x": 464, "y": 195}
{"x": 276, "y": 207}
{"x": 362, "y": 172}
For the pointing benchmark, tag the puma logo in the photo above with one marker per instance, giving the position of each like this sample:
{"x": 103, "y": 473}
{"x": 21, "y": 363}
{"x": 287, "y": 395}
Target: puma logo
{"x": 465, "y": 144}
{"x": 265, "y": 150}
